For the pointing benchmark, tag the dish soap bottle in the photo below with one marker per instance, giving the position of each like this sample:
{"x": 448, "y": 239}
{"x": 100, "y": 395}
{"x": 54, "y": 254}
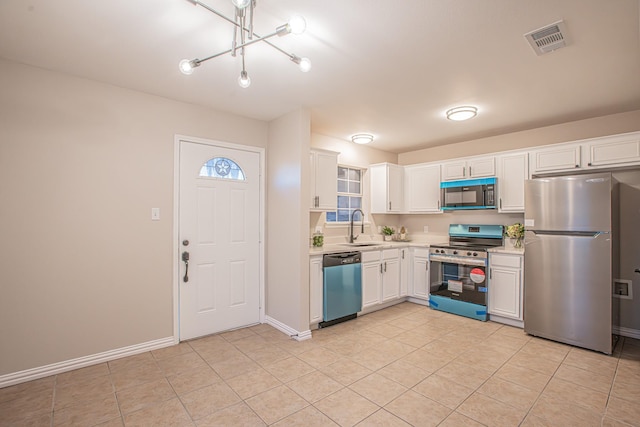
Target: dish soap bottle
{"x": 403, "y": 233}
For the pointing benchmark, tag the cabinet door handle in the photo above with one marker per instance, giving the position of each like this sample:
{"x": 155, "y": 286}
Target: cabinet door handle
{"x": 403, "y": 254}
{"x": 490, "y": 274}
{"x": 389, "y": 205}
{"x": 469, "y": 170}
{"x": 464, "y": 172}
{"x": 385, "y": 266}
{"x": 438, "y": 204}
{"x": 500, "y": 202}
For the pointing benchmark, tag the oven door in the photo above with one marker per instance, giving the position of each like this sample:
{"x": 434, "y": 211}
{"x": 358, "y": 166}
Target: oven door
{"x": 458, "y": 280}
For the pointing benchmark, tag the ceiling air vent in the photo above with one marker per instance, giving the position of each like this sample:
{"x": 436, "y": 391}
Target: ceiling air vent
{"x": 548, "y": 38}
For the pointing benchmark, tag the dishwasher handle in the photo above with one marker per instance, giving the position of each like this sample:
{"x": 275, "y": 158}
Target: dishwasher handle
{"x": 345, "y": 258}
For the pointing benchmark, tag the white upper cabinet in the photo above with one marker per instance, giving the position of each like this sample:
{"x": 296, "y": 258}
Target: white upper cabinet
{"x": 422, "y": 188}
{"x": 614, "y": 150}
{"x": 324, "y": 180}
{"x": 513, "y": 170}
{"x": 555, "y": 159}
{"x": 469, "y": 168}
{"x": 386, "y": 182}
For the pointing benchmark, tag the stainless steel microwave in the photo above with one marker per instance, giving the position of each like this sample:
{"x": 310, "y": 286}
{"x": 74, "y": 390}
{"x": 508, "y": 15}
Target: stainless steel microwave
{"x": 469, "y": 194}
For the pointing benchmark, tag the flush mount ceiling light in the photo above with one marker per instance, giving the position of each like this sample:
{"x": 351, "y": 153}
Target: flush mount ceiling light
{"x": 362, "y": 138}
{"x": 243, "y": 36}
{"x": 462, "y": 113}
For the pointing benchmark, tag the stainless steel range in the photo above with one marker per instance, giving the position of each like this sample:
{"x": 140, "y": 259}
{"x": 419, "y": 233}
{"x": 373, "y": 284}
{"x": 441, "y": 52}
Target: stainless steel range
{"x": 458, "y": 281}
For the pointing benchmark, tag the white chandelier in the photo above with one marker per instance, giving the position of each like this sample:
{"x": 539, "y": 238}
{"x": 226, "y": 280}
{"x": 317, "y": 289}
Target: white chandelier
{"x": 243, "y": 36}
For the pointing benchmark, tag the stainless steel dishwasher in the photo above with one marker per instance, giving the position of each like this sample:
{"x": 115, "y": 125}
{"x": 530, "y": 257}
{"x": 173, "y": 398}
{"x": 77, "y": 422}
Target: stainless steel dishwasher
{"x": 342, "y": 287}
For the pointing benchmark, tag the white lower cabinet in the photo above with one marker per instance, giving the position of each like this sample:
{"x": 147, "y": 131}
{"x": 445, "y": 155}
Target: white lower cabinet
{"x": 419, "y": 273}
{"x": 505, "y": 285}
{"x": 371, "y": 278}
{"x": 316, "y": 295}
{"x": 404, "y": 272}
{"x": 380, "y": 276}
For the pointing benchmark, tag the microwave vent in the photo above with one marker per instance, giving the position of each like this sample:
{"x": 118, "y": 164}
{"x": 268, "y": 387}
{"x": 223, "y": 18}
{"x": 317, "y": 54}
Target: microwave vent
{"x": 548, "y": 38}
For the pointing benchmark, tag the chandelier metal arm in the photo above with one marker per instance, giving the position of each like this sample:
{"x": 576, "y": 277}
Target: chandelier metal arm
{"x": 231, "y": 21}
{"x": 240, "y": 46}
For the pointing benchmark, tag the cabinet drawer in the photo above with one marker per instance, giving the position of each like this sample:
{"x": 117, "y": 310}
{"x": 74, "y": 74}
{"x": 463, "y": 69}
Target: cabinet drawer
{"x": 370, "y": 256}
{"x": 512, "y": 261}
{"x": 390, "y": 254}
{"x": 421, "y": 252}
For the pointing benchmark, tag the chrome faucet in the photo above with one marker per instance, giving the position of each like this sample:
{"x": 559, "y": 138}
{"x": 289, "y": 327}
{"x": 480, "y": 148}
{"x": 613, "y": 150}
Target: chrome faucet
{"x": 351, "y": 237}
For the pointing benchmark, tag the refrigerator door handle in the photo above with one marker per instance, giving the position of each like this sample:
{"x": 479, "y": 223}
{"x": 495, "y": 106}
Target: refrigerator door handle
{"x": 570, "y": 233}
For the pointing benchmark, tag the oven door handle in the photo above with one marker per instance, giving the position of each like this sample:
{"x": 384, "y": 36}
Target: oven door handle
{"x": 459, "y": 260}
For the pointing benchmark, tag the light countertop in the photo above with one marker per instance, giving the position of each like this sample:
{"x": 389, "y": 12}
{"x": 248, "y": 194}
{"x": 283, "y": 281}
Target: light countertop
{"x": 333, "y": 248}
{"x": 507, "y": 250}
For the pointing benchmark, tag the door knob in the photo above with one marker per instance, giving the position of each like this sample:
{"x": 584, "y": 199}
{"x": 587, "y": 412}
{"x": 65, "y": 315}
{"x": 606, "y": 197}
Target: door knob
{"x": 638, "y": 270}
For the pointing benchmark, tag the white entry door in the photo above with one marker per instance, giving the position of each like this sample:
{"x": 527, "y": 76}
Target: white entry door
{"x": 219, "y": 229}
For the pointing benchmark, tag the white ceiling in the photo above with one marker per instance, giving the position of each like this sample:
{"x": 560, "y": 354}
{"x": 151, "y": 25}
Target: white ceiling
{"x": 379, "y": 68}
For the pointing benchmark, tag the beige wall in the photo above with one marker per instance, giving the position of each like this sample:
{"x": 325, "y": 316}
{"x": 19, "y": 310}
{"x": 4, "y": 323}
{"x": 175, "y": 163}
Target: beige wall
{"x": 83, "y": 269}
{"x": 582, "y": 129}
{"x": 352, "y": 154}
{"x": 288, "y": 221}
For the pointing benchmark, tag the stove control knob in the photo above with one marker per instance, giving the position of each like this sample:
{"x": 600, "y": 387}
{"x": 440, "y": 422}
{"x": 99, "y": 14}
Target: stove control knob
{"x": 468, "y": 253}
{"x": 475, "y": 254}
{"x": 455, "y": 252}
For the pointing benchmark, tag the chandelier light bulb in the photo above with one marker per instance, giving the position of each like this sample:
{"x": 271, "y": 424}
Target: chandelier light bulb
{"x": 305, "y": 65}
{"x": 186, "y": 66}
{"x": 244, "y": 80}
{"x": 241, "y": 4}
{"x": 462, "y": 113}
{"x": 297, "y": 24}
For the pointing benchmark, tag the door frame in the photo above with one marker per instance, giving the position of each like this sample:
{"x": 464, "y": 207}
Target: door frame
{"x": 176, "y": 221}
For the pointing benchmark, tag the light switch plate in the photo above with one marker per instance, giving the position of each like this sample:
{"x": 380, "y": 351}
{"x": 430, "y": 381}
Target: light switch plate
{"x": 426, "y": 229}
{"x": 155, "y": 214}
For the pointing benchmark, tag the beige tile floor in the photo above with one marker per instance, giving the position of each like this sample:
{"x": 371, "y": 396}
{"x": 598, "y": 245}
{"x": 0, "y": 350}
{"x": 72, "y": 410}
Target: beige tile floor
{"x": 405, "y": 365}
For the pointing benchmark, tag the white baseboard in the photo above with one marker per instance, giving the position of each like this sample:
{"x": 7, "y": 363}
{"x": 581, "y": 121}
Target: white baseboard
{"x": 69, "y": 365}
{"x": 626, "y": 332}
{"x": 418, "y": 301}
{"x": 299, "y": 336}
{"x": 507, "y": 321}
{"x": 304, "y": 335}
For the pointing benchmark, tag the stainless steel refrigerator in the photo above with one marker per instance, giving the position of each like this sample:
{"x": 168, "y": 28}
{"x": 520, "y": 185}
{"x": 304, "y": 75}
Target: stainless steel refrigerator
{"x": 570, "y": 238}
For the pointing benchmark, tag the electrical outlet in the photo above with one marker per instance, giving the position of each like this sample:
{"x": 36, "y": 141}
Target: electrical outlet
{"x": 379, "y": 229}
{"x": 318, "y": 229}
{"x": 425, "y": 229}
{"x": 155, "y": 214}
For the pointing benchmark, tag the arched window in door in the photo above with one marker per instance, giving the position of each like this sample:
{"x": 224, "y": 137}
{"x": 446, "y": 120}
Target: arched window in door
{"x": 222, "y": 167}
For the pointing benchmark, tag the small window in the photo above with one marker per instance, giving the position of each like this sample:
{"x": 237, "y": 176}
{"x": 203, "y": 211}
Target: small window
{"x": 349, "y": 195}
{"x": 221, "y": 167}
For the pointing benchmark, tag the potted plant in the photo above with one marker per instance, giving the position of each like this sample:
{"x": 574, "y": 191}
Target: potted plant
{"x": 516, "y": 233}
{"x": 388, "y": 232}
